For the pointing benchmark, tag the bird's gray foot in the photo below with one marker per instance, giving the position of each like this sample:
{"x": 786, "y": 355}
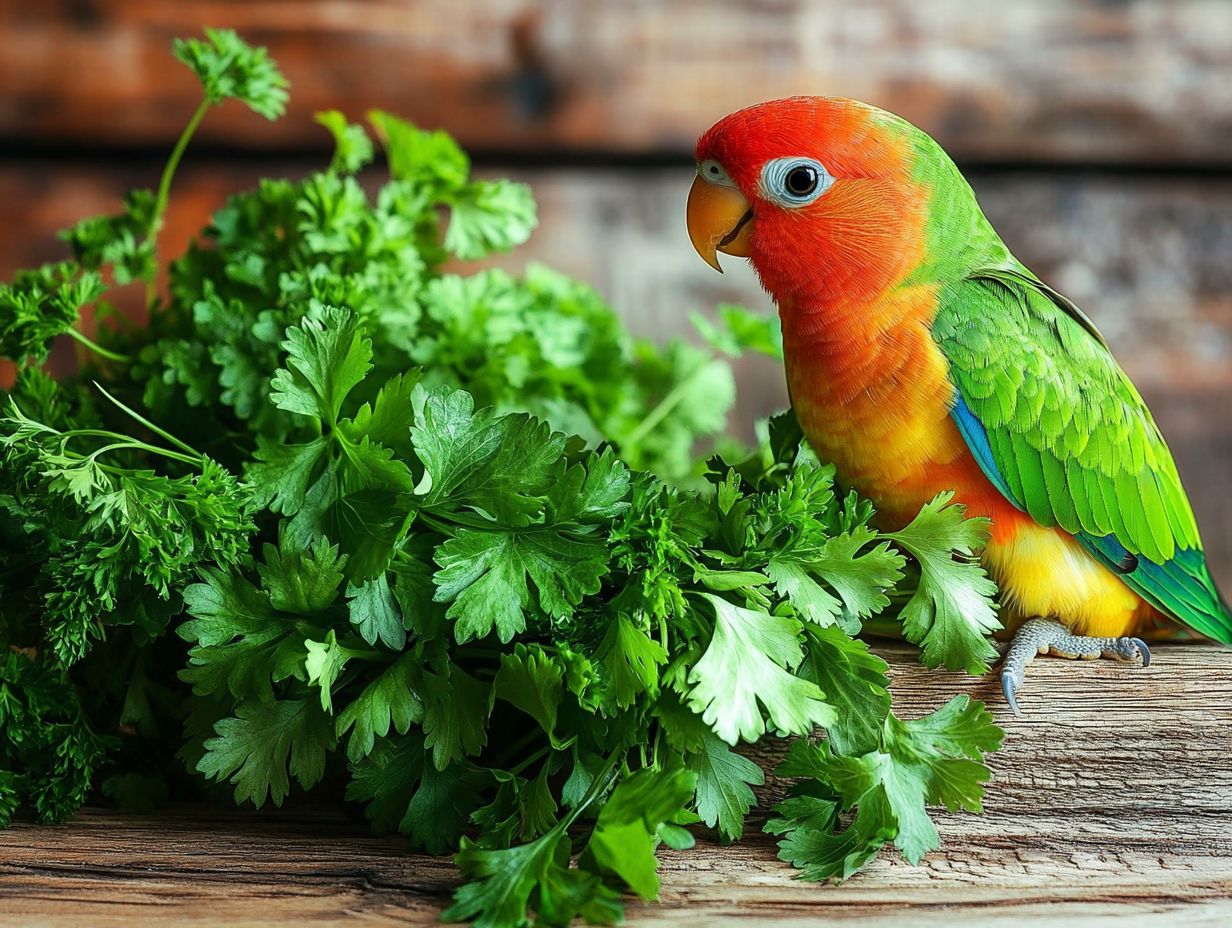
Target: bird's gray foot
{"x": 1043, "y": 636}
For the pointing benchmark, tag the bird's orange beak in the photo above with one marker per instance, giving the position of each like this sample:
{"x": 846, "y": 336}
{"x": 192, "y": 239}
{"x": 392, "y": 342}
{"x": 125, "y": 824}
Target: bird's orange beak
{"x": 719, "y": 219}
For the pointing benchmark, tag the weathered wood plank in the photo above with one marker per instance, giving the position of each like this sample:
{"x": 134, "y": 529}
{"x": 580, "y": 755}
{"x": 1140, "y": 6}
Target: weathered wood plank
{"x": 1144, "y": 81}
{"x": 1111, "y": 798}
{"x": 1147, "y": 258}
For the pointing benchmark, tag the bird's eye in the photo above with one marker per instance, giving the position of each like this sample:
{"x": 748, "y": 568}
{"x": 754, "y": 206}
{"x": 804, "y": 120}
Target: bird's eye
{"x": 714, "y": 172}
{"x": 795, "y": 181}
{"x": 801, "y": 181}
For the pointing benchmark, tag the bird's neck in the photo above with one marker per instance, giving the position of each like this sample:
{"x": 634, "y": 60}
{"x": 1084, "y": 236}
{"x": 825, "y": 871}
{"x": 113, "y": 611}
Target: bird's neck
{"x": 842, "y": 326}
{"x": 872, "y": 391}
{"x": 860, "y": 356}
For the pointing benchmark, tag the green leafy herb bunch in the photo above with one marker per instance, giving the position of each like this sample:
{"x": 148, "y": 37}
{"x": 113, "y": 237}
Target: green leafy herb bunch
{"x": 341, "y": 519}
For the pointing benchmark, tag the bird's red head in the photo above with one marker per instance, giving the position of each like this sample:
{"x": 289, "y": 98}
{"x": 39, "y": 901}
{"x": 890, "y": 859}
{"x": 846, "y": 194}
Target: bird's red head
{"x": 819, "y": 192}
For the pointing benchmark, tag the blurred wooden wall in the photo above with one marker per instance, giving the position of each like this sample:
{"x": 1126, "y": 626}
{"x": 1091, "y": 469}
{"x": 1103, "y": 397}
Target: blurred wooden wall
{"x": 1097, "y": 134}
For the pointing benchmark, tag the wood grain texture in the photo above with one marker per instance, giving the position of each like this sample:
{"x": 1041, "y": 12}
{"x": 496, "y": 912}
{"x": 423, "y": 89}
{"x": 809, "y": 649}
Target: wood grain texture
{"x": 1133, "y": 82}
{"x": 1112, "y": 798}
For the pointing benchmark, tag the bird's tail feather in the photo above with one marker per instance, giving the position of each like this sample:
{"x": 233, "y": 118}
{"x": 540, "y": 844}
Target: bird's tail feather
{"x": 1181, "y": 587}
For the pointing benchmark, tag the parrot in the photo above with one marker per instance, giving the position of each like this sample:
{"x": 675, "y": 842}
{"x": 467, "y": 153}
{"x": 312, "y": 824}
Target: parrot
{"x": 922, "y": 357}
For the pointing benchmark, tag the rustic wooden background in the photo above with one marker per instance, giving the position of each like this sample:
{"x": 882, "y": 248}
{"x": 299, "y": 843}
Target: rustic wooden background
{"x": 1098, "y": 135}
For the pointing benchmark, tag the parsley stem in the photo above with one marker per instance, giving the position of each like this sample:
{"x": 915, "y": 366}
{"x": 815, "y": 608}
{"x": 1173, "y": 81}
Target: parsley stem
{"x": 119, "y": 442}
{"x": 663, "y": 407}
{"x": 97, "y": 348}
{"x": 526, "y": 762}
{"x": 597, "y": 786}
{"x": 162, "y": 433}
{"x": 146, "y": 447}
{"x": 164, "y": 184}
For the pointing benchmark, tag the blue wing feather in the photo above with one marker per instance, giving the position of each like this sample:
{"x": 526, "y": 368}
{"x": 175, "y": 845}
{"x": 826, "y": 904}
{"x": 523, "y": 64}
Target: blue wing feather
{"x": 976, "y": 437}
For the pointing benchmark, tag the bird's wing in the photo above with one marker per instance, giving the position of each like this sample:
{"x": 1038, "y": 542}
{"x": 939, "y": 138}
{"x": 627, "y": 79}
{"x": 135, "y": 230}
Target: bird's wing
{"x": 1058, "y": 428}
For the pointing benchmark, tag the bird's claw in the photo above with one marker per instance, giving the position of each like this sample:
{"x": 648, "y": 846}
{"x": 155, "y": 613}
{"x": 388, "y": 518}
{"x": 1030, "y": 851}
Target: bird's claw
{"x": 1045, "y": 636}
{"x": 1143, "y": 651}
{"x": 1009, "y": 686}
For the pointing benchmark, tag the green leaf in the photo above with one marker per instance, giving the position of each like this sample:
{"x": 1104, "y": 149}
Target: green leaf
{"x": 855, "y": 683}
{"x": 51, "y": 753}
{"x": 375, "y": 614}
{"x": 502, "y": 466}
{"x": 631, "y": 660}
{"x": 121, "y": 242}
{"x": 370, "y": 524}
{"x": 302, "y": 581}
{"x": 367, "y": 466}
{"x": 436, "y": 816}
{"x": 456, "y": 709}
{"x": 953, "y": 610}
{"x": 229, "y": 68}
{"x": 792, "y": 581}
{"x": 504, "y": 884}
{"x": 933, "y": 760}
{"x": 723, "y": 780}
{"x": 487, "y": 577}
{"x": 532, "y": 681}
{"x": 390, "y": 701}
{"x": 430, "y": 159}
{"x": 265, "y": 744}
{"x": 804, "y": 809}
{"x": 859, "y": 580}
{"x": 685, "y": 730}
{"x": 281, "y": 472}
{"x": 626, "y": 831}
{"x": 387, "y": 420}
{"x": 352, "y": 147}
{"x": 538, "y": 806}
{"x": 748, "y": 663}
{"x": 404, "y": 793}
{"x": 592, "y": 492}
{"x": 327, "y": 357}
{"x": 946, "y": 749}
{"x": 385, "y": 780}
{"x": 453, "y": 440}
{"x": 482, "y": 574}
{"x": 240, "y": 645}
{"x": 739, "y": 330}
{"x": 785, "y": 437}
{"x": 490, "y": 216}
{"x": 41, "y": 304}
{"x": 325, "y": 662}
{"x": 814, "y": 845}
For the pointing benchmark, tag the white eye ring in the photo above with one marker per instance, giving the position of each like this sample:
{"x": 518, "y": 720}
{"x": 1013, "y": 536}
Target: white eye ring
{"x": 794, "y": 182}
{"x": 714, "y": 172}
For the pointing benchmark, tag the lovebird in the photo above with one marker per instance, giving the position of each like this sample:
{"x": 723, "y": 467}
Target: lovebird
{"x": 923, "y": 357}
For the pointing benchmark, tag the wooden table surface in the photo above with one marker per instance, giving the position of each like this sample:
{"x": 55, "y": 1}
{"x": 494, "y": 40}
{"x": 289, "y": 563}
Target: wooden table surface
{"x": 1112, "y": 798}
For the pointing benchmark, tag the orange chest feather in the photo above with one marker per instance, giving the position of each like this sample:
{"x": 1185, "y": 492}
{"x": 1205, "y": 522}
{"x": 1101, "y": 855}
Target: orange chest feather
{"x": 873, "y": 395}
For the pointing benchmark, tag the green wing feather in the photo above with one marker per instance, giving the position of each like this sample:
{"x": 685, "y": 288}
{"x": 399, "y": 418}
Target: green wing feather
{"x": 1061, "y": 431}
